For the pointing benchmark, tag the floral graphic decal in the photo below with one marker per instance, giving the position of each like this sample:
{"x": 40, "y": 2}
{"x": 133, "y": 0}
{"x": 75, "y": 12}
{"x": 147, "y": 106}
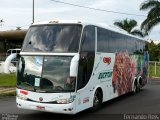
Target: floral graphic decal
{"x": 127, "y": 67}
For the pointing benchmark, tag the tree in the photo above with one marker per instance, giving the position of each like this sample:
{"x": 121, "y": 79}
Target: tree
{"x": 153, "y": 17}
{"x": 129, "y": 25}
{"x": 154, "y": 51}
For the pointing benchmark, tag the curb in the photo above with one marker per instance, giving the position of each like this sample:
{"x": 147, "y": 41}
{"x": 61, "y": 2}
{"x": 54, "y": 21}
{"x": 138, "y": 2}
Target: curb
{"x": 6, "y": 90}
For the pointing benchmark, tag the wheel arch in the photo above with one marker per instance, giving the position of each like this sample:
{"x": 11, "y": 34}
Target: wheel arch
{"x": 95, "y": 107}
{"x": 99, "y": 88}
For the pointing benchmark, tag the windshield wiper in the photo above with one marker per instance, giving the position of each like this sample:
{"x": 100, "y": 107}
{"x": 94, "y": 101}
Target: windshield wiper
{"x": 34, "y": 89}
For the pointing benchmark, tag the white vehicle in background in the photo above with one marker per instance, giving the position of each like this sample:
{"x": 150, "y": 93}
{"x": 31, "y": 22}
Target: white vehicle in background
{"x": 67, "y": 67}
{"x": 9, "y": 65}
{"x": 11, "y": 51}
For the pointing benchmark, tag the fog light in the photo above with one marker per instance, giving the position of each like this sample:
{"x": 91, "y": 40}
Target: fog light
{"x": 70, "y": 109}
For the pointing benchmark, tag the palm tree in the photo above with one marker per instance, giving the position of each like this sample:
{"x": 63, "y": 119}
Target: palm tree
{"x": 153, "y": 17}
{"x": 129, "y": 25}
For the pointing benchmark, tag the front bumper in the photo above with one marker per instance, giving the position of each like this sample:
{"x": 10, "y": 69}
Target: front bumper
{"x": 54, "y": 108}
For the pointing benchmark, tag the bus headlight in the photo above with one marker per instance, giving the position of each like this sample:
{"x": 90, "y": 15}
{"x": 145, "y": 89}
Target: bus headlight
{"x": 22, "y": 97}
{"x": 65, "y": 101}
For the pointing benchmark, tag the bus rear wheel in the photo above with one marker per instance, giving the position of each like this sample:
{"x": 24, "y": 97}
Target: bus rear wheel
{"x": 135, "y": 88}
{"x": 97, "y": 100}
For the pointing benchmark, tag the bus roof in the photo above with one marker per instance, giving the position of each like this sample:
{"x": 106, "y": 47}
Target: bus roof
{"x": 84, "y": 23}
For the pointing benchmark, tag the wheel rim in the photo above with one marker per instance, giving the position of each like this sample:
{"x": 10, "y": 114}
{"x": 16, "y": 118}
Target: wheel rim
{"x": 134, "y": 89}
{"x": 96, "y": 99}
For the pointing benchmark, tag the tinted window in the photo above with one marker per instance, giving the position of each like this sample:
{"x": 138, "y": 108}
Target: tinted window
{"x": 87, "y": 55}
{"x": 52, "y": 38}
{"x": 139, "y": 47}
{"x": 119, "y": 42}
{"x": 88, "y": 39}
{"x": 131, "y": 42}
{"x": 109, "y": 41}
{"x": 103, "y": 38}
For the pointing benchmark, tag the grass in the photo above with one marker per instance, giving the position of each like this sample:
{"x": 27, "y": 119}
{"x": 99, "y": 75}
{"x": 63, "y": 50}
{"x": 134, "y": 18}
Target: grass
{"x": 7, "y": 80}
{"x": 152, "y": 70}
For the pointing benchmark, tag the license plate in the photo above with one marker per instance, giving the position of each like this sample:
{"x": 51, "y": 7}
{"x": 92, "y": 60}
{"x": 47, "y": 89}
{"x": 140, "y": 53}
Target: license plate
{"x": 40, "y": 108}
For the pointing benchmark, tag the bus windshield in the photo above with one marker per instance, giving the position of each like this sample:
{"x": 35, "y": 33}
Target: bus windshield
{"x": 45, "y": 74}
{"x": 53, "y": 38}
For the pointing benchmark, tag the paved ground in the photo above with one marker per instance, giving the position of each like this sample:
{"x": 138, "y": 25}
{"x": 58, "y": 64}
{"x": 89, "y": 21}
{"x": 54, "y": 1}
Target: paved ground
{"x": 146, "y": 104}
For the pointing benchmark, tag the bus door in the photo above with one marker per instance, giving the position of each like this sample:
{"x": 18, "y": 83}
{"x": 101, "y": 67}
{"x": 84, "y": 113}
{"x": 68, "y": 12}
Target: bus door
{"x": 86, "y": 63}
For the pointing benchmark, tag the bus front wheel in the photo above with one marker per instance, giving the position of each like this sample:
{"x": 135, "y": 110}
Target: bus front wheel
{"x": 97, "y": 100}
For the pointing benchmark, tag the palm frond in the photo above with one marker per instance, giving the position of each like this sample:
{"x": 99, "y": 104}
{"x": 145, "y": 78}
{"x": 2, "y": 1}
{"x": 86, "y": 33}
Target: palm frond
{"x": 119, "y": 24}
{"x": 154, "y": 13}
{"x": 153, "y": 17}
{"x": 138, "y": 33}
{"x": 152, "y": 24}
{"x": 148, "y": 25}
{"x": 126, "y": 24}
{"x": 145, "y": 23}
{"x": 148, "y": 4}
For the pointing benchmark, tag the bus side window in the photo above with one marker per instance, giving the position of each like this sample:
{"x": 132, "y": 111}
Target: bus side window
{"x": 87, "y": 55}
{"x": 146, "y": 46}
{"x": 88, "y": 39}
{"x": 103, "y": 37}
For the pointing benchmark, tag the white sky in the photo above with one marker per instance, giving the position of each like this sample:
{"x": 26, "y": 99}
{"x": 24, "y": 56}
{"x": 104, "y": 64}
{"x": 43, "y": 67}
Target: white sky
{"x": 18, "y": 13}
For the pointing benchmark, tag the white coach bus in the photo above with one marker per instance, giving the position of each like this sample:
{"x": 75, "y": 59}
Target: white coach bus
{"x": 67, "y": 67}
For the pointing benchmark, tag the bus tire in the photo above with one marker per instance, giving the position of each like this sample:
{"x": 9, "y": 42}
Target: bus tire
{"x": 140, "y": 84}
{"x": 135, "y": 88}
{"x": 97, "y": 100}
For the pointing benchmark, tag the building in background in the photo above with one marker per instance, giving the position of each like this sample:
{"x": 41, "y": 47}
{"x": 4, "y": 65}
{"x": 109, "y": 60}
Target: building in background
{"x": 10, "y": 39}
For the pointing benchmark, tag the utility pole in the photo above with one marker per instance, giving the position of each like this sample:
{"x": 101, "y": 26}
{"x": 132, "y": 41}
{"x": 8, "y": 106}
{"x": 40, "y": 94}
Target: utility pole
{"x": 1, "y": 22}
{"x": 33, "y": 13}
